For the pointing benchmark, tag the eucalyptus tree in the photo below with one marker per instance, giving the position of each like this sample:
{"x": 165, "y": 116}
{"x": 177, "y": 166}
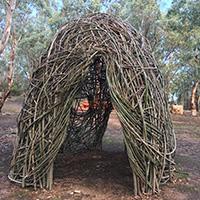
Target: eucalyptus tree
{"x": 7, "y": 9}
{"x": 183, "y": 48}
{"x": 143, "y": 15}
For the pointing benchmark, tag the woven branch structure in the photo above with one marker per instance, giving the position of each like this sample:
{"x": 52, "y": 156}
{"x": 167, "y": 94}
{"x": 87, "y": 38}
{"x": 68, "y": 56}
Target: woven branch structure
{"x": 93, "y": 65}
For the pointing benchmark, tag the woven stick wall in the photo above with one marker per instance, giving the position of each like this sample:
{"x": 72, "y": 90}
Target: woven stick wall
{"x": 103, "y": 61}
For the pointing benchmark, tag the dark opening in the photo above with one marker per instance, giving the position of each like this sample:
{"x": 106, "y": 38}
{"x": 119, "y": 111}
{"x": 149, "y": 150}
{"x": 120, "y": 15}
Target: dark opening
{"x": 90, "y": 111}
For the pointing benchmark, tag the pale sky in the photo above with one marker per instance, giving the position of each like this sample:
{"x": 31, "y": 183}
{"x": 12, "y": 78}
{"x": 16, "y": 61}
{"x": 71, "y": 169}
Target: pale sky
{"x": 165, "y": 4}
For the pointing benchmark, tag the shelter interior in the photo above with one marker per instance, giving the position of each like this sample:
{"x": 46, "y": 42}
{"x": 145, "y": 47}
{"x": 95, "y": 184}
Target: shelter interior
{"x": 90, "y": 111}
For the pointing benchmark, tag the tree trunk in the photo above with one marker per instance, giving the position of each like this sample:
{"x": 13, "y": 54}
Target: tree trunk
{"x": 197, "y": 102}
{"x": 6, "y": 33}
{"x": 193, "y": 98}
{"x": 10, "y": 73}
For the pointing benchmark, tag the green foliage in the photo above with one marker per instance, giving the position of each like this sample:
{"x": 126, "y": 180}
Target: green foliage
{"x": 182, "y": 44}
{"x": 17, "y": 89}
{"x": 143, "y": 15}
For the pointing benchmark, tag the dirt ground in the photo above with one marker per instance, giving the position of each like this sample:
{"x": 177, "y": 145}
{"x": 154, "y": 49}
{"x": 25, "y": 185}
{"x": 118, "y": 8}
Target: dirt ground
{"x": 103, "y": 175}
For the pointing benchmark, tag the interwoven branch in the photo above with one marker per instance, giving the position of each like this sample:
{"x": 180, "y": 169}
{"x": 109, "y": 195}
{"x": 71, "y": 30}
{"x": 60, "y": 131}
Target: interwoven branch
{"x": 104, "y": 61}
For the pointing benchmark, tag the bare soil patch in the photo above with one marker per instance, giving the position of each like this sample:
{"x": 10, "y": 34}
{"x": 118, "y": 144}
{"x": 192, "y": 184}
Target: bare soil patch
{"x": 103, "y": 175}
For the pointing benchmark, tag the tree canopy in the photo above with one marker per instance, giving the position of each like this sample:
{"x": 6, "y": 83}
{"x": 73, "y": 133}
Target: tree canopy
{"x": 174, "y": 36}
